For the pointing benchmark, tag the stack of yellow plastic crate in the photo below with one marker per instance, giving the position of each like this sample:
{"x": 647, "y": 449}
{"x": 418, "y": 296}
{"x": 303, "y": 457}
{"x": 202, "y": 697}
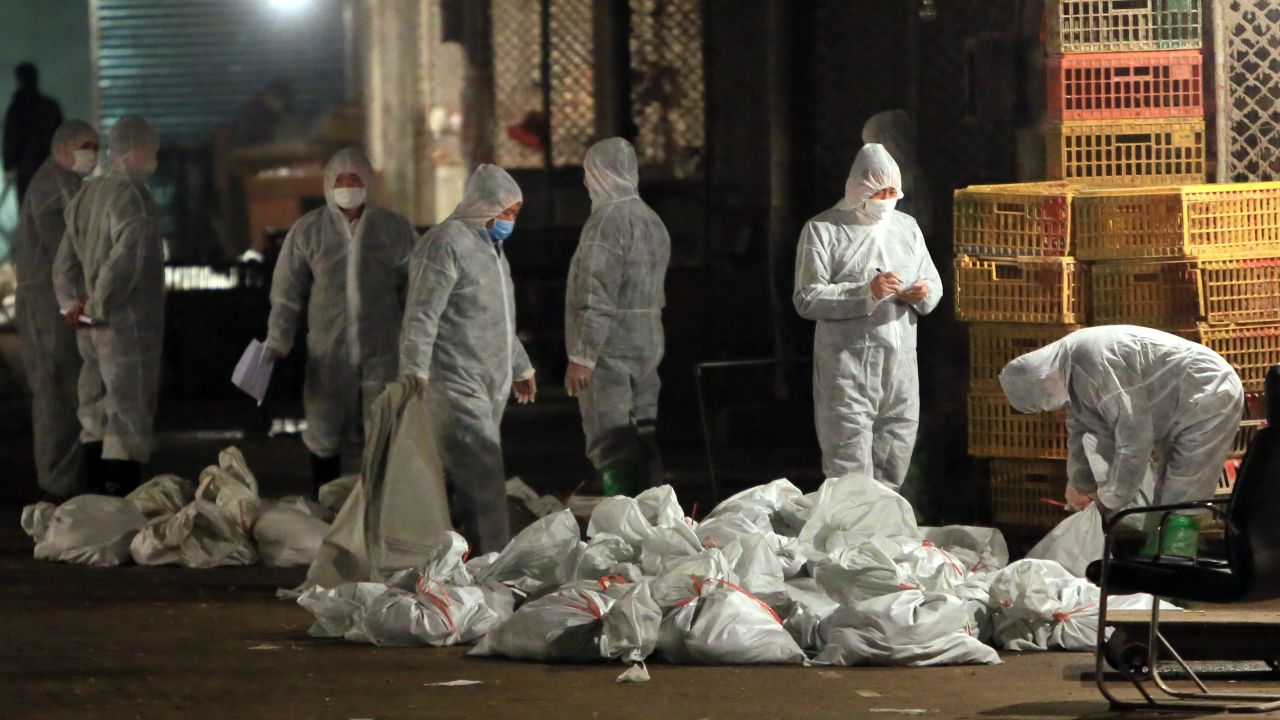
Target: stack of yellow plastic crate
{"x": 1038, "y": 260}
{"x": 1201, "y": 261}
{"x": 1125, "y": 91}
{"x": 1020, "y": 286}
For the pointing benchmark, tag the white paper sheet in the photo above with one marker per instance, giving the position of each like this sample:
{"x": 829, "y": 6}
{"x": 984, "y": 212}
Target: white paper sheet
{"x": 253, "y": 372}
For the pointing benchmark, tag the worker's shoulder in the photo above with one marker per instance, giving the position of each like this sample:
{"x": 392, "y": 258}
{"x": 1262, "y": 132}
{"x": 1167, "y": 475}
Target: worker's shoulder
{"x": 904, "y": 221}
{"x": 831, "y": 217}
{"x": 52, "y": 184}
{"x": 310, "y": 220}
{"x": 390, "y": 217}
{"x": 450, "y": 236}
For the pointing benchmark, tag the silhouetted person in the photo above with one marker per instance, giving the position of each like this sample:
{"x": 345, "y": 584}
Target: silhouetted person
{"x": 258, "y": 122}
{"x": 29, "y": 124}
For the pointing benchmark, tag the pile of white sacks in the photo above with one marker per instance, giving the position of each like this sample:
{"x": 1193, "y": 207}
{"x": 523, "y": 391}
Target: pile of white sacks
{"x": 842, "y": 576}
{"x": 170, "y": 520}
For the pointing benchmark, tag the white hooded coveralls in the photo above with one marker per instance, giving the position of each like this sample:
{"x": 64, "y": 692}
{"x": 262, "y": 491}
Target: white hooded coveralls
{"x": 113, "y": 256}
{"x": 613, "y": 305}
{"x": 352, "y": 279}
{"x": 49, "y": 351}
{"x": 460, "y": 337}
{"x": 1134, "y": 394}
{"x": 866, "y": 389}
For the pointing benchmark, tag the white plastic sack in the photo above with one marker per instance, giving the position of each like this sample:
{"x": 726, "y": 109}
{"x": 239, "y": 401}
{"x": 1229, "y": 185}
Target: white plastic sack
{"x": 853, "y": 508}
{"x": 162, "y": 495}
{"x": 604, "y": 556}
{"x": 868, "y": 570}
{"x": 333, "y": 494}
{"x": 681, "y": 577}
{"x": 809, "y": 607}
{"x": 299, "y": 503}
{"x": 1075, "y": 542}
{"x": 564, "y": 626}
{"x": 232, "y": 486}
{"x": 90, "y": 530}
{"x": 620, "y": 516}
{"x": 980, "y": 549}
{"x": 36, "y": 519}
{"x": 337, "y": 610}
{"x": 287, "y": 537}
{"x": 398, "y": 510}
{"x": 666, "y": 544}
{"x": 201, "y": 535}
{"x": 758, "y": 569}
{"x": 771, "y": 498}
{"x": 724, "y": 529}
{"x": 436, "y": 616}
{"x": 1024, "y": 599}
{"x": 532, "y": 557}
{"x": 724, "y": 625}
{"x": 660, "y": 506}
{"x": 629, "y": 631}
{"x": 444, "y": 564}
{"x": 906, "y": 628}
{"x": 931, "y": 568}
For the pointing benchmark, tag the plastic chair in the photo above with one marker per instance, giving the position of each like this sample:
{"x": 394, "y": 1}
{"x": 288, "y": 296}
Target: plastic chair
{"x": 1250, "y": 573}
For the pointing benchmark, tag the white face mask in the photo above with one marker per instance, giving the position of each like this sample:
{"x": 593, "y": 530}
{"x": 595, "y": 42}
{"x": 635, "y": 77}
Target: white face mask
{"x": 85, "y": 161}
{"x": 349, "y": 198}
{"x": 879, "y": 209}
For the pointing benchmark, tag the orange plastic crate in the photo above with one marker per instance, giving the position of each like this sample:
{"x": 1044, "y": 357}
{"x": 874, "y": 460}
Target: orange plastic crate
{"x": 1250, "y": 349}
{"x": 1182, "y": 293}
{"x": 1020, "y": 489}
{"x": 1108, "y": 26}
{"x": 1021, "y": 290}
{"x": 1127, "y": 152}
{"x": 997, "y": 430}
{"x": 1206, "y": 221}
{"x": 1117, "y": 86}
{"x": 992, "y": 346}
{"x": 1016, "y": 220}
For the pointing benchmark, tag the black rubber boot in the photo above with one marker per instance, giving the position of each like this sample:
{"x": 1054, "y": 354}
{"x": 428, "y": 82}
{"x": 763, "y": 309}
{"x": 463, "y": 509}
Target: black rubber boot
{"x": 93, "y": 468}
{"x": 324, "y": 470}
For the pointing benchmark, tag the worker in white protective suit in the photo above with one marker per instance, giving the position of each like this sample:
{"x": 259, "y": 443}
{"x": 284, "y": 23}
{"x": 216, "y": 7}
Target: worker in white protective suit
{"x": 459, "y": 348}
{"x": 613, "y": 321}
{"x": 347, "y": 263}
{"x": 1133, "y": 394}
{"x": 49, "y": 351}
{"x": 864, "y": 274}
{"x": 109, "y": 277}
{"x": 894, "y": 130}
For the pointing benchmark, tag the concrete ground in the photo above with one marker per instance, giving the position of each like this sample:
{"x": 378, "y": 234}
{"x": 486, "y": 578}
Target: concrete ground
{"x": 167, "y": 643}
{"x": 132, "y": 642}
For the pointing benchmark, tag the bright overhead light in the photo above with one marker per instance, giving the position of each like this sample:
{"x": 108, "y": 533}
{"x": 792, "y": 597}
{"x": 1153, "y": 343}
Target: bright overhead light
{"x": 289, "y": 5}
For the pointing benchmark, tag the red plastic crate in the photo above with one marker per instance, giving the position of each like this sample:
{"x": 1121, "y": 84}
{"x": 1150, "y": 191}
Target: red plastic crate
{"x": 1118, "y": 86}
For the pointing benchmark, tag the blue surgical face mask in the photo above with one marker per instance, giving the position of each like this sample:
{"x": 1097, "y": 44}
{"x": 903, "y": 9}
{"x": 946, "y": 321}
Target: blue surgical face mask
{"x": 501, "y": 229}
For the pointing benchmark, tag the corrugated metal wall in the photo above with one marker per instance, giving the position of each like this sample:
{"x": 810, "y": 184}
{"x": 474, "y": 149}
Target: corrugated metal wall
{"x": 189, "y": 65}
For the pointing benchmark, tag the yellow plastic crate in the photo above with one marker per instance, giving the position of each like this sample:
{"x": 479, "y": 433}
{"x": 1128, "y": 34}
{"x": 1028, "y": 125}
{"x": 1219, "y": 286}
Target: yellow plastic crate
{"x": 1206, "y": 221}
{"x": 1017, "y": 220}
{"x": 1108, "y": 26}
{"x": 992, "y": 346}
{"x": 1021, "y": 290}
{"x": 1019, "y": 489}
{"x": 1168, "y": 151}
{"x": 1179, "y": 294}
{"x": 1250, "y": 349}
{"x": 997, "y": 430}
